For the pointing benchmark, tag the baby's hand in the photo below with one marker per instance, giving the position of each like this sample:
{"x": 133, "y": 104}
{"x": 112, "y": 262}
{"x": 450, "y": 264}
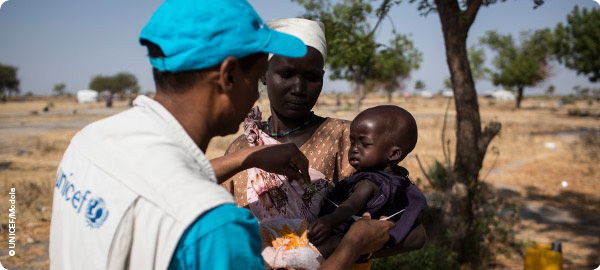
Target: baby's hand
{"x": 319, "y": 231}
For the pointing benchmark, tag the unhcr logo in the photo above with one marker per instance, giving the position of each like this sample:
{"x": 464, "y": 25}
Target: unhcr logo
{"x": 95, "y": 210}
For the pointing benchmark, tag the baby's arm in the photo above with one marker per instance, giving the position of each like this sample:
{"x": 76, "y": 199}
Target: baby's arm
{"x": 408, "y": 234}
{"x": 320, "y": 230}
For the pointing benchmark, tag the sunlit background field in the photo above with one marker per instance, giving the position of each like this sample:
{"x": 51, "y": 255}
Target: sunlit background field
{"x": 539, "y": 147}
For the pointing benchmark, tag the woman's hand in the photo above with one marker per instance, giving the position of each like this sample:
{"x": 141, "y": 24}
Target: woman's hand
{"x": 285, "y": 159}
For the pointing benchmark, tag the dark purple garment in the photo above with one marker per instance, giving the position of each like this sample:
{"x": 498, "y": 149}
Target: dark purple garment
{"x": 396, "y": 193}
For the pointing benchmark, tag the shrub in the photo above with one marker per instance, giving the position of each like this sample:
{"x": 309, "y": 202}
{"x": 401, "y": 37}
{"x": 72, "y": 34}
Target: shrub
{"x": 568, "y": 100}
{"x": 430, "y": 257}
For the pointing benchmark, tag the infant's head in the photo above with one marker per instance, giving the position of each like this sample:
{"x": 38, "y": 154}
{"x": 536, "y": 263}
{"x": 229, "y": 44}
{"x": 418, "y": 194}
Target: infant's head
{"x": 381, "y": 136}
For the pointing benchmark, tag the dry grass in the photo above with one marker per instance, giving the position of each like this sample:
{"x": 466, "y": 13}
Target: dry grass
{"x": 527, "y": 172}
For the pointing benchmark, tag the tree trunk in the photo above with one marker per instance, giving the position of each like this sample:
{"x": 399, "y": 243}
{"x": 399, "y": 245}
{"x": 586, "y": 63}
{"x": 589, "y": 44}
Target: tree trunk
{"x": 359, "y": 90}
{"x": 471, "y": 142}
{"x": 389, "y": 95}
{"x": 519, "y": 96}
{"x": 468, "y": 155}
{"x": 357, "y": 97}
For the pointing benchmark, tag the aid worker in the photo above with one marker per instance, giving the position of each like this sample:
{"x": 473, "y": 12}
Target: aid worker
{"x": 135, "y": 191}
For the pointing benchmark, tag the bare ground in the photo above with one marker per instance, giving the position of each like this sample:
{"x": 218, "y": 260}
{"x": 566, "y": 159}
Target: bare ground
{"x": 540, "y": 146}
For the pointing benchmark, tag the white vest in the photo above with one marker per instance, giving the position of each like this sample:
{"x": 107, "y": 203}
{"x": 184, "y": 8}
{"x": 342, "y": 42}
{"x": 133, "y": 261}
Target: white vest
{"x": 127, "y": 188}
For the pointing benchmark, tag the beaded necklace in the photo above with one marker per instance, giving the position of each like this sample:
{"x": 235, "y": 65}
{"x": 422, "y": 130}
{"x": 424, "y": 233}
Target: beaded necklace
{"x": 312, "y": 117}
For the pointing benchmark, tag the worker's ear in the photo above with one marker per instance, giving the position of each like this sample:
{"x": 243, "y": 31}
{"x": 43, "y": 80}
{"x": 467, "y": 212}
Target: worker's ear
{"x": 395, "y": 154}
{"x": 227, "y": 73}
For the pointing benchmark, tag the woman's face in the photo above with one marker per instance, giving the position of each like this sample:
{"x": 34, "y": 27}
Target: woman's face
{"x": 294, "y": 84}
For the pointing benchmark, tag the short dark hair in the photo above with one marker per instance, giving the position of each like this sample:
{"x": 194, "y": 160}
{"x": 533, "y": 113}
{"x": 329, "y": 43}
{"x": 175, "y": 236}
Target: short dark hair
{"x": 179, "y": 82}
{"x": 401, "y": 126}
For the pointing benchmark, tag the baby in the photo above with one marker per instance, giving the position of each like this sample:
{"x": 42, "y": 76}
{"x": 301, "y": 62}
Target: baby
{"x": 380, "y": 138}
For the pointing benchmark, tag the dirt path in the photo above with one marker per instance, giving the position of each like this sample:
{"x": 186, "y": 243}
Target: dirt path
{"x": 549, "y": 211}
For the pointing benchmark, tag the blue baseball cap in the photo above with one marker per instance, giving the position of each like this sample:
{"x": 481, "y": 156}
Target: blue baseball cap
{"x": 198, "y": 34}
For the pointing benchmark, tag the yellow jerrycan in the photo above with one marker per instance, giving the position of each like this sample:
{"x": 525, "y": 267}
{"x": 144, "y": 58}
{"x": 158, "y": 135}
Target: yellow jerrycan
{"x": 544, "y": 257}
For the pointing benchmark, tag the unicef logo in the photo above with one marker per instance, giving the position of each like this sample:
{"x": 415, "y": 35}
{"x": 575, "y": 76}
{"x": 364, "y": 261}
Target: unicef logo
{"x": 96, "y": 213}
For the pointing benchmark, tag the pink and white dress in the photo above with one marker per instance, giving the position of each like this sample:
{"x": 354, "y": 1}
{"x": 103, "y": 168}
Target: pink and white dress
{"x": 283, "y": 208}
{"x": 274, "y": 196}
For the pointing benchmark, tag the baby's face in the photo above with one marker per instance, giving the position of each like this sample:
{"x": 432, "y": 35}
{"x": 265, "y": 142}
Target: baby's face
{"x": 368, "y": 146}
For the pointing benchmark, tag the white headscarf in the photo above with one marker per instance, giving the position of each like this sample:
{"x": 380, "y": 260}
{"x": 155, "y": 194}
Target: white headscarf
{"x": 312, "y": 33}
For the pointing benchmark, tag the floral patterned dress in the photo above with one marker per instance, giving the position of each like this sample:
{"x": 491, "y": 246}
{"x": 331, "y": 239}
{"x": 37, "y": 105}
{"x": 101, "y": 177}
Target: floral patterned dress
{"x": 284, "y": 209}
{"x": 271, "y": 195}
{"x": 326, "y": 150}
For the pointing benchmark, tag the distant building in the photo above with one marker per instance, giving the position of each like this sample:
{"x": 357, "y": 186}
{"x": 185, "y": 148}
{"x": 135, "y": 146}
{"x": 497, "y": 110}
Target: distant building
{"x": 447, "y": 93}
{"x": 425, "y": 94}
{"x": 500, "y": 95}
{"x": 87, "y": 96}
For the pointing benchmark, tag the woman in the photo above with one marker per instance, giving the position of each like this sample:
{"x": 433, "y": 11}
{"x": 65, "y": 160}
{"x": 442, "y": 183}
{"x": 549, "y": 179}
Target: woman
{"x": 294, "y": 85}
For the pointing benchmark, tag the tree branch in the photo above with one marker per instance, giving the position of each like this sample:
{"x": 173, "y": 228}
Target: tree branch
{"x": 383, "y": 11}
{"x": 491, "y": 130}
{"x": 471, "y": 12}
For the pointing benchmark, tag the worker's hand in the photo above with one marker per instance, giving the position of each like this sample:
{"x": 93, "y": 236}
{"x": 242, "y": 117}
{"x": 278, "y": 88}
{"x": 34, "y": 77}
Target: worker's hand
{"x": 365, "y": 236}
{"x": 369, "y": 235}
{"x": 285, "y": 159}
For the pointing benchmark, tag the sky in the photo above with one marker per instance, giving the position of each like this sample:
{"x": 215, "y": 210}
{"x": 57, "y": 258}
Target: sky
{"x": 71, "y": 41}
